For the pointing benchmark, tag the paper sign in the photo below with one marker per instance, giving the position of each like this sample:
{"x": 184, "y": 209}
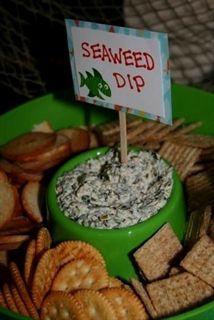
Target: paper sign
{"x": 121, "y": 68}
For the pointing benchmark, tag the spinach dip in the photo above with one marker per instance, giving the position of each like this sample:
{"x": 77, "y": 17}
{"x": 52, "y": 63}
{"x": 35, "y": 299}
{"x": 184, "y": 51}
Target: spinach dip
{"x": 103, "y": 193}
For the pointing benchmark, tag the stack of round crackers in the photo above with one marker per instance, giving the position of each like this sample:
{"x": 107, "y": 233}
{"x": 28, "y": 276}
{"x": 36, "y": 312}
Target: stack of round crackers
{"x": 25, "y": 164}
{"x": 28, "y": 156}
{"x": 67, "y": 281}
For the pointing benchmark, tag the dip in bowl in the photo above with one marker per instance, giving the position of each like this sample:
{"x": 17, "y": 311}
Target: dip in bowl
{"x": 115, "y": 207}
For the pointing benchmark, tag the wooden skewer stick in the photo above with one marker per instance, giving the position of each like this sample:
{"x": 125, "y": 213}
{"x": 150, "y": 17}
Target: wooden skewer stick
{"x": 123, "y": 137}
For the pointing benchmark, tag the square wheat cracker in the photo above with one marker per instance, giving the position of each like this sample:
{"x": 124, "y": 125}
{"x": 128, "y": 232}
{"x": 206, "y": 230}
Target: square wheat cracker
{"x": 200, "y": 260}
{"x": 180, "y": 156}
{"x": 199, "y": 188}
{"x": 142, "y": 293}
{"x": 155, "y": 255}
{"x": 178, "y": 293}
{"x": 205, "y": 221}
{"x": 211, "y": 226}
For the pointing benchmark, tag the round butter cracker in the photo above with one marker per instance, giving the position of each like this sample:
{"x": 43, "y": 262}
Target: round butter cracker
{"x": 8, "y": 297}
{"x": 22, "y": 289}
{"x": 126, "y": 304}
{"x": 44, "y": 274}
{"x": 19, "y": 302}
{"x": 61, "y": 306}
{"x": 80, "y": 274}
{"x": 29, "y": 262}
{"x": 95, "y": 305}
{"x": 43, "y": 241}
{"x": 74, "y": 249}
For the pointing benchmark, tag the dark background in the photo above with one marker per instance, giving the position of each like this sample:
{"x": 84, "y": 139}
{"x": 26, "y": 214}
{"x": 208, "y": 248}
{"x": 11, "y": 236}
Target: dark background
{"x": 34, "y": 56}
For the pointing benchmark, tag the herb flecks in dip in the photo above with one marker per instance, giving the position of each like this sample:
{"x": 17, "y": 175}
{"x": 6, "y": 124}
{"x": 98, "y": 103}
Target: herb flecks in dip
{"x": 103, "y": 193}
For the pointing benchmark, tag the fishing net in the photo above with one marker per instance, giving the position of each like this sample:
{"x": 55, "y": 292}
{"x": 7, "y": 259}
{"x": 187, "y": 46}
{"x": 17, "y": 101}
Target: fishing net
{"x": 190, "y": 26}
{"x": 34, "y": 56}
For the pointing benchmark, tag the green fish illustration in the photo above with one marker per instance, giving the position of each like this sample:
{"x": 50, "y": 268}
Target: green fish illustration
{"x": 95, "y": 84}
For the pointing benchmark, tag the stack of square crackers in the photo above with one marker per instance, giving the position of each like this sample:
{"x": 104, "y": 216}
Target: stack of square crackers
{"x": 175, "y": 278}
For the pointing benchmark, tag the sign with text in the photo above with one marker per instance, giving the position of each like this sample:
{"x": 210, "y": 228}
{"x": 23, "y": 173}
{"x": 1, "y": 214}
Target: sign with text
{"x": 121, "y": 68}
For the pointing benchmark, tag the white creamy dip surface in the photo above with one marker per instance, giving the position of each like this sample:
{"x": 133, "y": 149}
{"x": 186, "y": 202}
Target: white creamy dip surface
{"x": 103, "y": 193}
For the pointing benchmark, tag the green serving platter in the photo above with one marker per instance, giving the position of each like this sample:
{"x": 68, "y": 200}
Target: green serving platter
{"x": 61, "y": 110}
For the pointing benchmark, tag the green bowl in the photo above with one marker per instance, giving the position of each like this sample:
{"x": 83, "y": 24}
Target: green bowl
{"x": 61, "y": 110}
{"x": 116, "y": 245}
